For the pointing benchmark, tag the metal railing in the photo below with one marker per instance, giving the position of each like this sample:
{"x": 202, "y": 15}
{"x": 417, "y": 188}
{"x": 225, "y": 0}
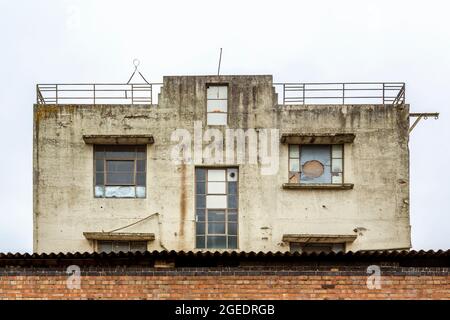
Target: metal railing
{"x": 342, "y": 93}
{"x": 98, "y": 93}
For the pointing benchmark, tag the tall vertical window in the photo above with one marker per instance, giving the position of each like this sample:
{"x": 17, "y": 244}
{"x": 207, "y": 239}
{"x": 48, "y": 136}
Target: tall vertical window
{"x": 316, "y": 163}
{"x": 216, "y": 208}
{"x": 216, "y": 105}
{"x": 120, "y": 171}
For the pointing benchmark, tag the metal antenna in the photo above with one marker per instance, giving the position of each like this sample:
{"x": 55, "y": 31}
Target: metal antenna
{"x": 220, "y": 60}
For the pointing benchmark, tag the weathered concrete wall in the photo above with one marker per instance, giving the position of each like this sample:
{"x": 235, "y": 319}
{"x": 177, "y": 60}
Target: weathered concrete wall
{"x": 376, "y": 162}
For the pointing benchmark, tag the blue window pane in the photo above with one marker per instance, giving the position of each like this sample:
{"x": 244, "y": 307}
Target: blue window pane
{"x": 217, "y": 242}
{"x": 315, "y": 162}
{"x": 216, "y": 227}
{"x": 232, "y": 228}
{"x": 200, "y": 242}
{"x": 232, "y": 201}
{"x": 232, "y": 242}
{"x": 216, "y": 215}
{"x": 200, "y": 228}
{"x": 200, "y": 201}
{"x": 200, "y": 188}
{"x": 200, "y": 174}
{"x": 232, "y": 187}
{"x": 200, "y": 215}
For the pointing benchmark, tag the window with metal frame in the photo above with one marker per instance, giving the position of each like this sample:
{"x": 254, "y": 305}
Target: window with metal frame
{"x": 216, "y": 208}
{"x": 120, "y": 171}
{"x": 217, "y": 105}
{"x": 316, "y": 163}
{"x": 119, "y": 245}
{"x": 316, "y": 247}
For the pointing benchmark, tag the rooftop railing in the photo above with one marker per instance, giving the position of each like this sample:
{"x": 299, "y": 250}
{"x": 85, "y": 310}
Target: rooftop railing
{"x": 342, "y": 93}
{"x": 98, "y": 93}
{"x": 288, "y": 93}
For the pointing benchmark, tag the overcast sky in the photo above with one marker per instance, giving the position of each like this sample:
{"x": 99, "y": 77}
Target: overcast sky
{"x": 306, "y": 41}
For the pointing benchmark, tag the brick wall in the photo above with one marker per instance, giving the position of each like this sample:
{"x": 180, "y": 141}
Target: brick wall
{"x": 254, "y": 282}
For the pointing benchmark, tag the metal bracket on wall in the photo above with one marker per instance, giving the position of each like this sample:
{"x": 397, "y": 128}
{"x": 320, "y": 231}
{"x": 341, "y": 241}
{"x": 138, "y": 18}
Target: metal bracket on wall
{"x": 421, "y": 115}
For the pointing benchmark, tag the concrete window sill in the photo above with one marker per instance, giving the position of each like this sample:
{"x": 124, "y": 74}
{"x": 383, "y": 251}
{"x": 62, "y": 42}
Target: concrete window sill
{"x": 320, "y": 186}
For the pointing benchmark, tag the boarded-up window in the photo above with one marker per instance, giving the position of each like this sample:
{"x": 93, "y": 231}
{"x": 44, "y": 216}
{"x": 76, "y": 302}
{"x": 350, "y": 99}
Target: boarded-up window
{"x": 124, "y": 246}
{"x": 120, "y": 171}
{"x": 216, "y": 208}
{"x": 316, "y": 163}
{"x": 216, "y": 105}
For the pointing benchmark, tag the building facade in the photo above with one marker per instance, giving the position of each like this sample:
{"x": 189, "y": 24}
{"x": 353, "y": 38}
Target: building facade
{"x": 221, "y": 163}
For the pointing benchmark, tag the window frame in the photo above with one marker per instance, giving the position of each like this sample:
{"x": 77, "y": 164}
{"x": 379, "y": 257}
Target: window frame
{"x": 105, "y": 148}
{"x": 330, "y": 145}
{"x": 226, "y": 210}
{"x": 208, "y": 85}
{"x": 143, "y": 242}
{"x": 303, "y": 245}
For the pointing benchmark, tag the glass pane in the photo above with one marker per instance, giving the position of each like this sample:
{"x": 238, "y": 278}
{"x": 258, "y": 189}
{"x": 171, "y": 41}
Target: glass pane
{"x": 232, "y": 228}
{"x": 217, "y": 119}
{"x": 336, "y": 177}
{"x": 140, "y": 246}
{"x": 119, "y": 166}
{"x": 140, "y": 165}
{"x": 120, "y": 179}
{"x": 217, "y": 242}
{"x": 200, "y": 242}
{"x": 104, "y": 246}
{"x": 99, "y": 179}
{"x": 200, "y": 174}
{"x": 315, "y": 161}
{"x": 119, "y": 192}
{"x": 200, "y": 228}
{"x": 99, "y": 153}
{"x": 216, "y": 227}
{"x": 123, "y": 246}
{"x": 293, "y": 151}
{"x": 99, "y": 191}
{"x": 200, "y": 188}
{"x": 212, "y": 92}
{"x": 336, "y": 150}
{"x": 216, "y": 106}
{"x": 216, "y": 202}
{"x": 337, "y": 165}
{"x": 99, "y": 165}
{"x": 223, "y": 92}
{"x": 216, "y": 175}
{"x": 294, "y": 165}
{"x": 294, "y": 177}
{"x": 216, "y": 187}
{"x": 216, "y": 215}
{"x": 200, "y": 201}
{"x": 232, "y": 187}
{"x": 200, "y": 215}
{"x": 232, "y": 242}
{"x": 232, "y": 201}
{"x": 120, "y": 152}
{"x": 140, "y": 192}
{"x": 141, "y": 152}
{"x": 232, "y": 215}
{"x": 140, "y": 178}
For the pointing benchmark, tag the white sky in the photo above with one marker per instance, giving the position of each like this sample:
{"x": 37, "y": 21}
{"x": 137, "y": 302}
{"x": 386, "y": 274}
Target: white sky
{"x": 95, "y": 41}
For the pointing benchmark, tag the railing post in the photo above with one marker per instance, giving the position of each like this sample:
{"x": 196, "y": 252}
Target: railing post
{"x": 384, "y": 102}
{"x": 284, "y": 94}
{"x": 94, "y": 93}
{"x": 56, "y": 93}
{"x": 303, "y": 93}
{"x": 343, "y": 93}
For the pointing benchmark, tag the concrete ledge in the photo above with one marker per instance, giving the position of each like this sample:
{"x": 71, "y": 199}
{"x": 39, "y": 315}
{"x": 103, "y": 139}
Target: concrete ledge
{"x": 119, "y": 139}
{"x": 119, "y": 236}
{"x": 312, "y": 138}
{"x": 319, "y": 238}
{"x": 321, "y": 186}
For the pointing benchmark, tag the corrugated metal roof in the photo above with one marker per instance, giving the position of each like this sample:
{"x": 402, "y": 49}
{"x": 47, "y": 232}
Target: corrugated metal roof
{"x": 437, "y": 258}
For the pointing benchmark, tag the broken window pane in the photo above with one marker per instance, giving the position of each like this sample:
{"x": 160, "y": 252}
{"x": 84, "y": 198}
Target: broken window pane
{"x": 315, "y": 161}
{"x": 232, "y": 174}
{"x": 216, "y": 188}
{"x": 216, "y": 202}
{"x": 140, "y": 192}
{"x": 99, "y": 191}
{"x": 119, "y": 192}
{"x": 336, "y": 177}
